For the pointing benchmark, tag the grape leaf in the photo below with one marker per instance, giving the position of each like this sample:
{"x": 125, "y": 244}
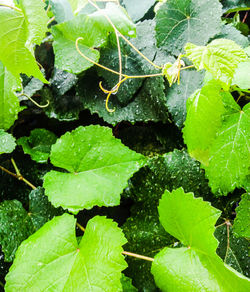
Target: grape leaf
{"x": 94, "y": 29}
{"x": 241, "y": 225}
{"x": 221, "y": 57}
{"x": 18, "y": 30}
{"x": 229, "y": 155}
{"x": 9, "y": 104}
{"x": 195, "y": 267}
{"x": 137, "y": 9}
{"x": 7, "y": 142}
{"x": 98, "y": 165}
{"x": 204, "y": 110}
{"x": 228, "y": 249}
{"x": 61, "y": 10}
{"x": 38, "y": 144}
{"x": 242, "y": 75}
{"x": 15, "y": 226}
{"x": 179, "y": 22}
{"x": 127, "y": 285}
{"x": 177, "y": 95}
{"x": 95, "y": 264}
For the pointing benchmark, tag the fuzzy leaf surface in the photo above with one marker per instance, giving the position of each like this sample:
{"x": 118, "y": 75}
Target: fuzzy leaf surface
{"x": 195, "y": 267}
{"x": 83, "y": 267}
{"x": 204, "y": 110}
{"x": 220, "y": 57}
{"x": 18, "y": 30}
{"x": 7, "y": 142}
{"x": 230, "y": 155}
{"x": 179, "y": 22}
{"x": 38, "y": 144}
{"x": 241, "y": 225}
{"x": 98, "y": 165}
{"x": 9, "y": 104}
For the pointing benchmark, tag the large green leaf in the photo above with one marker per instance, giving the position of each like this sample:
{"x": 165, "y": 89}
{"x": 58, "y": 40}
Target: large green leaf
{"x": 228, "y": 249}
{"x": 204, "y": 110}
{"x": 229, "y": 155}
{"x": 63, "y": 265}
{"x": 9, "y": 104}
{"x": 221, "y": 57}
{"x": 38, "y": 144}
{"x": 98, "y": 165}
{"x": 178, "y": 94}
{"x": 94, "y": 29}
{"x": 242, "y": 75}
{"x": 19, "y": 31}
{"x": 195, "y": 267}
{"x": 7, "y": 142}
{"x": 182, "y": 21}
{"x": 241, "y": 225}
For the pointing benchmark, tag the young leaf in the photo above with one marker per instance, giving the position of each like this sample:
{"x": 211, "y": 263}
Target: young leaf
{"x": 7, "y": 142}
{"x": 9, "y": 104}
{"x": 204, "y": 111}
{"x": 241, "y": 225}
{"x": 98, "y": 165}
{"x": 18, "y": 30}
{"x": 63, "y": 265}
{"x": 221, "y": 57}
{"x": 179, "y": 22}
{"x": 195, "y": 267}
{"x": 229, "y": 155}
{"x": 38, "y": 144}
{"x": 242, "y": 75}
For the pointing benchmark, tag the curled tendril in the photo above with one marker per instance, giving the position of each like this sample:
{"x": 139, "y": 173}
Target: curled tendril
{"x": 32, "y": 100}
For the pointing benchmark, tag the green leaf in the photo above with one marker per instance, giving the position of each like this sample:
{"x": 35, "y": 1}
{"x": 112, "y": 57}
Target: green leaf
{"x": 98, "y": 165}
{"x": 137, "y": 9}
{"x": 179, "y": 22}
{"x": 15, "y": 227}
{"x": 148, "y": 105}
{"x": 221, "y": 58}
{"x": 242, "y": 75}
{"x": 195, "y": 267}
{"x": 229, "y": 154}
{"x": 229, "y": 5}
{"x": 18, "y": 30}
{"x": 7, "y": 142}
{"x": 177, "y": 95}
{"x": 38, "y": 144}
{"x": 9, "y": 104}
{"x": 61, "y": 10}
{"x": 241, "y": 225}
{"x": 228, "y": 249}
{"x": 127, "y": 285}
{"x": 95, "y": 264}
{"x": 94, "y": 29}
{"x": 204, "y": 110}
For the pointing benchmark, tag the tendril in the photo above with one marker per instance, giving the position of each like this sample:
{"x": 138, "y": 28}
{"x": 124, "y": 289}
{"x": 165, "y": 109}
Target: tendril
{"x": 32, "y": 100}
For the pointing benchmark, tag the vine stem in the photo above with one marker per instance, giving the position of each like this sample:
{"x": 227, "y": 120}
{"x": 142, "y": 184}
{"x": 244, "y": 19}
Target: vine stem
{"x": 11, "y": 7}
{"x": 32, "y": 100}
{"x": 17, "y": 175}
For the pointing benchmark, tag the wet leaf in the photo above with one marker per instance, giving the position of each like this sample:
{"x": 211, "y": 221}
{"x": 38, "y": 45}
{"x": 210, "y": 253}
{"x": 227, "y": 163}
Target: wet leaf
{"x": 7, "y": 142}
{"x": 242, "y": 75}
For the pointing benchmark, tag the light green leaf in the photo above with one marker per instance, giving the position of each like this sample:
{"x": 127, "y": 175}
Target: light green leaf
{"x": 94, "y": 29}
{"x": 242, "y": 75}
{"x": 137, "y": 9}
{"x": 204, "y": 110}
{"x": 127, "y": 285}
{"x": 221, "y": 57}
{"x": 15, "y": 47}
{"x": 182, "y": 21}
{"x": 229, "y": 155}
{"x": 241, "y": 225}
{"x": 93, "y": 265}
{"x": 38, "y": 144}
{"x": 171, "y": 71}
{"x": 98, "y": 165}
{"x": 15, "y": 227}
{"x": 7, "y": 142}
{"x": 9, "y": 104}
{"x": 195, "y": 267}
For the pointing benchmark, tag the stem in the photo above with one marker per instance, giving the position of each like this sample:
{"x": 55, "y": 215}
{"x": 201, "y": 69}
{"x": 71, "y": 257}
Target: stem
{"x": 51, "y": 20}
{"x": 183, "y": 68}
{"x": 16, "y": 168}
{"x": 32, "y": 100}
{"x": 19, "y": 177}
{"x": 138, "y": 256}
{"x": 80, "y": 226}
{"x": 11, "y": 7}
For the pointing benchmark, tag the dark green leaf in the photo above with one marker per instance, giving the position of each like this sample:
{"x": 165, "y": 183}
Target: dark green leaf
{"x": 127, "y": 285}
{"x": 182, "y": 21}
